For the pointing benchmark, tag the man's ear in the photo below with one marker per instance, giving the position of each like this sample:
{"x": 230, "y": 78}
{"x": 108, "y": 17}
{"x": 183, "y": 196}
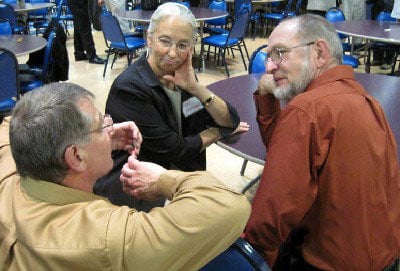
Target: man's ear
{"x": 74, "y": 159}
{"x": 323, "y": 53}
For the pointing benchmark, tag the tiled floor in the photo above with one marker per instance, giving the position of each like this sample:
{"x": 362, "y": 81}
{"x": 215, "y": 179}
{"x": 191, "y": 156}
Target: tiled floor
{"x": 220, "y": 162}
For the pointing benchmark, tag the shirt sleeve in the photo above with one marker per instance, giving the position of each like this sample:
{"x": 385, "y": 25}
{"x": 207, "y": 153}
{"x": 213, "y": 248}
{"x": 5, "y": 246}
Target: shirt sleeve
{"x": 288, "y": 186}
{"x": 268, "y": 110}
{"x": 203, "y": 218}
{"x": 5, "y": 152}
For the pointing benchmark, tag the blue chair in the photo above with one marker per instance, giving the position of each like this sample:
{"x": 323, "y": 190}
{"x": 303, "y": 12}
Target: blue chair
{"x": 257, "y": 60}
{"x": 350, "y": 61}
{"x": 38, "y": 76}
{"x": 276, "y": 17}
{"x": 233, "y": 40}
{"x": 7, "y": 12}
{"x": 336, "y": 15}
{"x": 5, "y": 27}
{"x": 115, "y": 40}
{"x": 63, "y": 14}
{"x": 9, "y": 87}
{"x": 240, "y": 256}
{"x": 38, "y": 19}
{"x": 216, "y": 26}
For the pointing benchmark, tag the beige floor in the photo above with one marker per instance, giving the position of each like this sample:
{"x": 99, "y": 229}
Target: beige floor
{"x": 220, "y": 162}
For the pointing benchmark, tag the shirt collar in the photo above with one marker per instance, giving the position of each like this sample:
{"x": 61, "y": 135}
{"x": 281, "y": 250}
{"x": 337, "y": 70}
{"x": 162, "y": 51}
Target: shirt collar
{"x": 146, "y": 73}
{"x": 336, "y": 73}
{"x": 55, "y": 193}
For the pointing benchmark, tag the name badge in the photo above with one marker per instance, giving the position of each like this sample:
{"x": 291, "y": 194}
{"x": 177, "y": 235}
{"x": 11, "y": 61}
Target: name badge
{"x": 191, "y": 106}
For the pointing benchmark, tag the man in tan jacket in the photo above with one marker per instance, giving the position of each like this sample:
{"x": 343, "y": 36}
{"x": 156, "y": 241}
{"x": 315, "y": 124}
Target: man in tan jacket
{"x": 51, "y": 220}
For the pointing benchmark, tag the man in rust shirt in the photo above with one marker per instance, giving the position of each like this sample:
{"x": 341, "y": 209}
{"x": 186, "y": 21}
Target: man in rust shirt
{"x": 330, "y": 189}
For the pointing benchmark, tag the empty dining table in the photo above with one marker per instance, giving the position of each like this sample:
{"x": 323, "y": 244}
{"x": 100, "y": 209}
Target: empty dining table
{"x": 22, "y": 44}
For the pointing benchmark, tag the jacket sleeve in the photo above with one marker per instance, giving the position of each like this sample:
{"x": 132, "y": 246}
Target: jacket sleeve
{"x": 203, "y": 218}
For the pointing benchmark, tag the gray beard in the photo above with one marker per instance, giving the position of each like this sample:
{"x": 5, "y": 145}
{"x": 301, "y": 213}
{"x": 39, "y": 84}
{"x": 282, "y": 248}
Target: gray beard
{"x": 293, "y": 89}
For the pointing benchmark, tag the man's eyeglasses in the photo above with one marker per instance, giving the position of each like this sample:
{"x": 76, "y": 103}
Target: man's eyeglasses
{"x": 277, "y": 54}
{"x": 182, "y": 46}
{"x": 108, "y": 124}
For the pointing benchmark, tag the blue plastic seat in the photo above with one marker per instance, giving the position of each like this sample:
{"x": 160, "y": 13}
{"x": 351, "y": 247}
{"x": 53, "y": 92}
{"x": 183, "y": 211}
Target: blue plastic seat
{"x": 233, "y": 40}
{"x": 115, "y": 40}
{"x": 9, "y": 90}
{"x": 5, "y": 27}
{"x": 240, "y": 256}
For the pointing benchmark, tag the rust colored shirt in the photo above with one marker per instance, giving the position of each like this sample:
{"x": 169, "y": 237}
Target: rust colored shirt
{"x": 332, "y": 168}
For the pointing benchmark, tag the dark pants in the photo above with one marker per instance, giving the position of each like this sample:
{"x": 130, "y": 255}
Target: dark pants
{"x": 83, "y": 39}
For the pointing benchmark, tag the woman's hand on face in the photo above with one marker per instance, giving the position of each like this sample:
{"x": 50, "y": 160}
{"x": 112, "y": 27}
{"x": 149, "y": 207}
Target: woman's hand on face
{"x": 184, "y": 76}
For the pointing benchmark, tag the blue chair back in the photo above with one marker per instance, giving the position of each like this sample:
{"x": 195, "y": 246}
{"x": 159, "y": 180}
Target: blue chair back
{"x": 335, "y": 15}
{"x": 238, "y": 4}
{"x": 48, "y": 54}
{"x": 240, "y": 256}
{"x": 240, "y": 24}
{"x": 219, "y": 5}
{"x": 257, "y": 60}
{"x": 111, "y": 29}
{"x": 385, "y": 16}
{"x": 9, "y": 1}
{"x": 5, "y": 27}
{"x": 9, "y": 87}
{"x": 7, "y": 12}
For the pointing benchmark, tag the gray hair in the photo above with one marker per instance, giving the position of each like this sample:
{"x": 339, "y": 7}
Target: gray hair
{"x": 312, "y": 27}
{"x": 170, "y": 9}
{"x": 44, "y": 123}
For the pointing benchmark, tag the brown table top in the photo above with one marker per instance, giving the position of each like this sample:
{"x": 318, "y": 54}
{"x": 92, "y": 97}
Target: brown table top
{"x": 239, "y": 92}
{"x": 22, "y": 44}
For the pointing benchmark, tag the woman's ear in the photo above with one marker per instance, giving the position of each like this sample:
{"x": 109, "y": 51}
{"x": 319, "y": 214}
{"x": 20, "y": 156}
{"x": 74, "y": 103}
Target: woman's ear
{"x": 74, "y": 158}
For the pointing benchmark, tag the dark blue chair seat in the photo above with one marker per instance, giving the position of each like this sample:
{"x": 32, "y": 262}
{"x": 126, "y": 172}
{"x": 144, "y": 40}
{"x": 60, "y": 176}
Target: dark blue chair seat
{"x": 220, "y": 40}
{"x": 7, "y": 104}
{"x": 240, "y": 256}
{"x": 131, "y": 43}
